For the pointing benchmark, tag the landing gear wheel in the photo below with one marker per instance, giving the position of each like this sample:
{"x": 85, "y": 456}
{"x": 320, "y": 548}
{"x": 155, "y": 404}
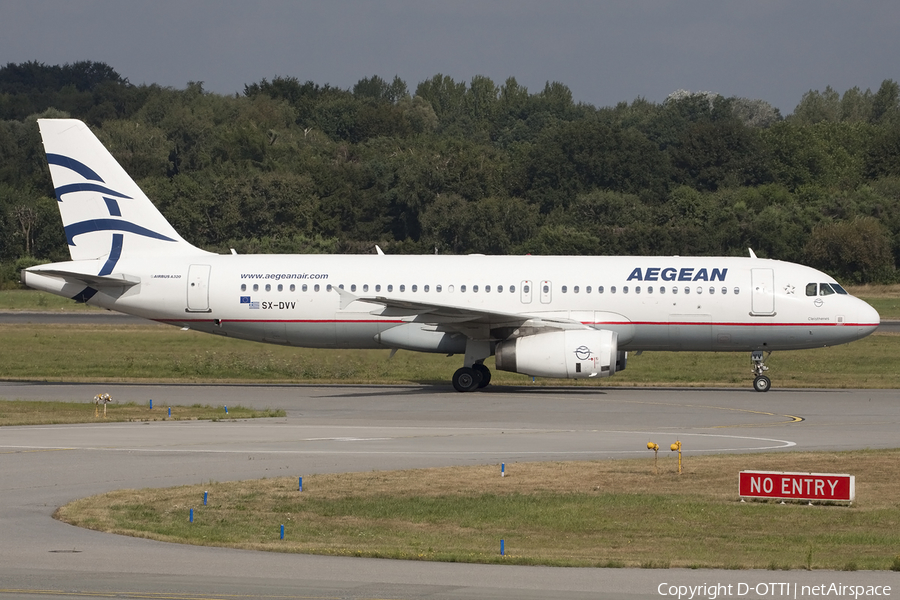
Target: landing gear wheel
{"x": 465, "y": 379}
{"x": 762, "y": 384}
{"x": 484, "y": 374}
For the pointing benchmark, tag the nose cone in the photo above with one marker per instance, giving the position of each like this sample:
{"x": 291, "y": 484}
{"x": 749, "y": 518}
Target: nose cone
{"x": 867, "y": 319}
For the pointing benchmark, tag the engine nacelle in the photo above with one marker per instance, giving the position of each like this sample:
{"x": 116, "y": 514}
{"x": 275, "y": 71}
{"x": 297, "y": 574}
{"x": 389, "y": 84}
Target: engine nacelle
{"x": 572, "y": 354}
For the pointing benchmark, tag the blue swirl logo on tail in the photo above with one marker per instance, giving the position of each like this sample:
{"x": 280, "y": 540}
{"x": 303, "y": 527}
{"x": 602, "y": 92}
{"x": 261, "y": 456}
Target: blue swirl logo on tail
{"x": 94, "y": 183}
{"x": 112, "y": 205}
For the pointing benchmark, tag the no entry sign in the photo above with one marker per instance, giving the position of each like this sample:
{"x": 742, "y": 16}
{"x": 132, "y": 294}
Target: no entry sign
{"x": 797, "y": 486}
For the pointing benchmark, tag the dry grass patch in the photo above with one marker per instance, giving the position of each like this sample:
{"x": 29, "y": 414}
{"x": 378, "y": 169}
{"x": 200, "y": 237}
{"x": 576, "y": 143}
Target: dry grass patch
{"x": 28, "y": 412}
{"x": 599, "y": 513}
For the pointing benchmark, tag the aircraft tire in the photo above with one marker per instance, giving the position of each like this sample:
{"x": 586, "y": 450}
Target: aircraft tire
{"x": 762, "y": 384}
{"x": 484, "y": 374}
{"x": 465, "y": 380}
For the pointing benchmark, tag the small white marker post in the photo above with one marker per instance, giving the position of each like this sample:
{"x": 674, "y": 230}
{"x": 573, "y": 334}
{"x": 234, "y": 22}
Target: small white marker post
{"x": 502, "y": 469}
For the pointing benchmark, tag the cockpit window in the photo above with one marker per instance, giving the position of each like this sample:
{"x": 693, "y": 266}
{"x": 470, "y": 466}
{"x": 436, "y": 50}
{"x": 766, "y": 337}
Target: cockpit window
{"x": 839, "y": 289}
{"x": 825, "y": 289}
{"x": 811, "y": 289}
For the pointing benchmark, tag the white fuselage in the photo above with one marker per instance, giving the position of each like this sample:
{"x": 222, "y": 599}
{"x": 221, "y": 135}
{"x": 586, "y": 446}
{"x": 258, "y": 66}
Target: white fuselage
{"x": 653, "y": 303}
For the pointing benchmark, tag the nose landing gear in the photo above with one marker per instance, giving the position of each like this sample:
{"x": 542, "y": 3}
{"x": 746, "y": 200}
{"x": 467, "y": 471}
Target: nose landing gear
{"x": 761, "y": 383}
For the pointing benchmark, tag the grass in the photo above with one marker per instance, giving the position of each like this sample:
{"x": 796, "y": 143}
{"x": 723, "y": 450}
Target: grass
{"x": 24, "y": 412}
{"x": 111, "y": 353}
{"x": 613, "y": 513}
{"x": 33, "y": 300}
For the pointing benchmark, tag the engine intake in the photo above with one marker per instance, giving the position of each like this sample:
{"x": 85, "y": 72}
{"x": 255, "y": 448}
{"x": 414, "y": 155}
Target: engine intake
{"x": 570, "y": 354}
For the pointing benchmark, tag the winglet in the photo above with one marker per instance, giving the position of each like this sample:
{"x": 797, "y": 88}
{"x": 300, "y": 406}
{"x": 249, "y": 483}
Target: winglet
{"x": 752, "y": 253}
{"x": 379, "y": 250}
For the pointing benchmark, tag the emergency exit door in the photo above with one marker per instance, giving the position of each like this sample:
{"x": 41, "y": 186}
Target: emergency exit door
{"x": 762, "y": 292}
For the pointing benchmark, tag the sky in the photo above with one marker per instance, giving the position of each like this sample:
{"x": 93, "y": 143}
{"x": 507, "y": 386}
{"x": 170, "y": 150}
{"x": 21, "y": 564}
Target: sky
{"x": 605, "y": 51}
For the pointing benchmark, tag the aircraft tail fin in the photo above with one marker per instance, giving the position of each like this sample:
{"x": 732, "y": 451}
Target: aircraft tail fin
{"x": 104, "y": 213}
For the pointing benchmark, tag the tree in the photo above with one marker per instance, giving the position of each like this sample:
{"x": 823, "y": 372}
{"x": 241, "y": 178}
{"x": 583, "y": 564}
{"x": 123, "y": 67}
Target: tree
{"x": 376, "y": 88}
{"x": 816, "y": 106}
{"x": 857, "y": 251}
{"x": 886, "y": 102}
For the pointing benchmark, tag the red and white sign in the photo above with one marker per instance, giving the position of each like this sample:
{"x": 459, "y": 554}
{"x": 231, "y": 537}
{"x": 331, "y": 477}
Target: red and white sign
{"x": 797, "y": 486}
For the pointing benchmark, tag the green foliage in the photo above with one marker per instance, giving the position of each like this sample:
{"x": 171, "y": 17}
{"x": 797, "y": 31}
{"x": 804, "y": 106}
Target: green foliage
{"x": 466, "y": 167}
{"x": 855, "y": 251}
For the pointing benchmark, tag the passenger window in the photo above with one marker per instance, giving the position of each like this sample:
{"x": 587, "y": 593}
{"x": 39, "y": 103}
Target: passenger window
{"x": 390, "y": 287}
{"x": 587, "y": 290}
{"x": 637, "y": 289}
{"x": 737, "y": 291}
{"x": 825, "y": 289}
{"x": 352, "y": 287}
{"x": 255, "y": 287}
{"x": 699, "y": 290}
{"x": 724, "y": 290}
{"x": 674, "y": 290}
{"x": 624, "y": 289}
{"x": 450, "y": 288}
{"x": 487, "y": 289}
{"x": 612, "y": 289}
{"x": 712, "y": 290}
{"x": 426, "y": 288}
{"x": 811, "y": 289}
{"x": 402, "y": 287}
{"x": 280, "y": 287}
{"x": 365, "y": 287}
{"x": 575, "y": 289}
{"x": 475, "y": 289}
{"x": 438, "y": 288}
{"x": 243, "y": 287}
{"x": 341, "y": 285}
{"x": 317, "y": 287}
{"x": 305, "y": 287}
{"x": 268, "y": 287}
{"x": 687, "y": 290}
{"x": 564, "y": 289}
{"x": 662, "y": 290}
{"x": 293, "y": 288}
{"x": 377, "y": 287}
{"x": 599, "y": 289}
{"x": 512, "y": 289}
{"x": 499, "y": 289}
{"x": 526, "y": 289}
{"x": 649, "y": 289}
{"x": 546, "y": 289}
{"x": 462, "y": 289}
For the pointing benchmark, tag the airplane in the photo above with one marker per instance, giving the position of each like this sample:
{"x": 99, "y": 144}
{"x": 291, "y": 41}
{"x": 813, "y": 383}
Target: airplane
{"x": 545, "y": 316}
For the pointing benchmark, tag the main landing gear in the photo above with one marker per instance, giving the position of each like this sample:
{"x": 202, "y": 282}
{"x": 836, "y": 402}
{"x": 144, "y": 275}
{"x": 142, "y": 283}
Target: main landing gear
{"x": 761, "y": 383}
{"x": 468, "y": 379}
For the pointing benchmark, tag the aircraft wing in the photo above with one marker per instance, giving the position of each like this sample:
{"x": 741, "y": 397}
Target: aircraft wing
{"x": 448, "y": 315}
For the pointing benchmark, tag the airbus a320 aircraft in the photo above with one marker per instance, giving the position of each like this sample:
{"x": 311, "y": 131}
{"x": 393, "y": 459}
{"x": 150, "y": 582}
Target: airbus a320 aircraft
{"x": 545, "y": 316}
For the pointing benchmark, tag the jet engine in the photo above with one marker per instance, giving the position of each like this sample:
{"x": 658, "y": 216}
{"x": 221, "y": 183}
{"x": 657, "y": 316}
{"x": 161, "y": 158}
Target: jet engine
{"x": 571, "y": 354}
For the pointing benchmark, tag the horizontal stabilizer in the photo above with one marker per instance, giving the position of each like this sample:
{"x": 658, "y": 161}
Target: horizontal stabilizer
{"x": 118, "y": 280}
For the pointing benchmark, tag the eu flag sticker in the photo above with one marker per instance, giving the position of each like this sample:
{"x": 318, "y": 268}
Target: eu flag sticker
{"x": 245, "y": 299}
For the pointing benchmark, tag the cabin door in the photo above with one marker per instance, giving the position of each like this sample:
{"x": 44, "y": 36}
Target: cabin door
{"x": 198, "y": 288}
